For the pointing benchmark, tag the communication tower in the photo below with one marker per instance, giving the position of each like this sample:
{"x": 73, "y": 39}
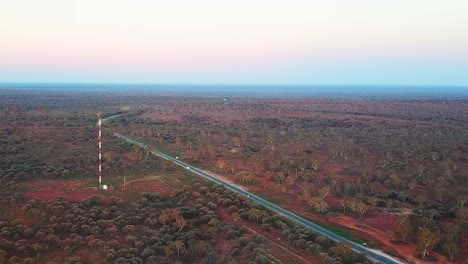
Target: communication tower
{"x": 100, "y": 147}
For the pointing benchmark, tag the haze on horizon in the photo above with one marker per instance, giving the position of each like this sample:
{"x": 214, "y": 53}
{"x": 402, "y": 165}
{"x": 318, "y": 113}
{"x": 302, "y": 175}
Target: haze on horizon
{"x": 208, "y": 41}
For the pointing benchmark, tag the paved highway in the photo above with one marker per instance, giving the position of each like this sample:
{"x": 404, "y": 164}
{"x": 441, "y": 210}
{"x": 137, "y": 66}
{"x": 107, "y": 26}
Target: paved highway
{"x": 370, "y": 253}
{"x": 110, "y": 117}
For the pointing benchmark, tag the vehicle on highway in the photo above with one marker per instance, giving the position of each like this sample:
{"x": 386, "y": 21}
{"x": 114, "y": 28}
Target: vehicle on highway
{"x": 373, "y": 255}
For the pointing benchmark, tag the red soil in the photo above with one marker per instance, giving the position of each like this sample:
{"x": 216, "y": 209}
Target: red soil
{"x": 463, "y": 254}
{"x": 373, "y": 227}
{"x": 333, "y": 202}
{"x": 74, "y": 190}
{"x": 85, "y": 255}
{"x": 19, "y": 215}
{"x": 149, "y": 186}
{"x": 384, "y": 221}
{"x": 217, "y": 116}
{"x": 220, "y": 113}
{"x": 380, "y": 220}
{"x": 57, "y": 256}
{"x": 91, "y": 257}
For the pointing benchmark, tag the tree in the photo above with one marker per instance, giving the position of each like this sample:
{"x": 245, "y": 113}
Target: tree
{"x": 257, "y": 166}
{"x": 201, "y": 247}
{"x": 181, "y": 222}
{"x": 213, "y": 230}
{"x": 451, "y": 249}
{"x": 461, "y": 200}
{"x": 53, "y": 240}
{"x": 28, "y": 261}
{"x": 245, "y": 177}
{"x": 175, "y": 214}
{"x": 178, "y": 143}
{"x": 215, "y": 222}
{"x": 451, "y": 232}
{"x": 279, "y": 188}
{"x": 235, "y": 216}
{"x": 165, "y": 216}
{"x": 343, "y": 203}
{"x": 147, "y": 252}
{"x": 352, "y": 203}
{"x": 255, "y": 213}
{"x": 373, "y": 201}
{"x": 179, "y": 246}
{"x": 190, "y": 145}
{"x": 222, "y": 165}
{"x": 168, "y": 250}
{"x": 315, "y": 164}
{"x": 20, "y": 246}
{"x": 462, "y": 213}
{"x": 362, "y": 208}
{"x": 333, "y": 184}
{"x": 280, "y": 177}
{"x": 169, "y": 215}
{"x": 131, "y": 240}
{"x": 319, "y": 205}
{"x": 291, "y": 179}
{"x": 37, "y": 249}
{"x": 420, "y": 199}
{"x": 347, "y": 186}
{"x": 137, "y": 153}
{"x": 402, "y": 229}
{"x": 426, "y": 240}
{"x": 343, "y": 250}
{"x": 420, "y": 168}
{"x": 323, "y": 192}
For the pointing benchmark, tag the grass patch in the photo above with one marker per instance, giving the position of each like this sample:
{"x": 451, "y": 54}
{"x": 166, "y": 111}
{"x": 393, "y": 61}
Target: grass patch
{"x": 175, "y": 154}
{"x": 269, "y": 199}
{"x": 208, "y": 183}
{"x": 92, "y": 184}
{"x": 337, "y": 230}
{"x": 178, "y": 178}
{"x": 194, "y": 163}
{"x": 130, "y": 196}
{"x": 345, "y": 234}
{"x": 96, "y": 184}
{"x": 191, "y": 176}
{"x": 391, "y": 253}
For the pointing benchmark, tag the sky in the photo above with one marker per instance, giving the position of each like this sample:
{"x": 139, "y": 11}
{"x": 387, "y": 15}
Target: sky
{"x": 235, "y": 42}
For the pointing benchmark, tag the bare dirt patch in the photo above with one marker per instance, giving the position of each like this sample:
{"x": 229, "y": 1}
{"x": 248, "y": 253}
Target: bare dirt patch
{"x": 149, "y": 184}
{"x": 58, "y": 257}
{"x": 366, "y": 226}
{"x": 73, "y": 190}
{"x": 463, "y": 255}
{"x": 333, "y": 201}
{"x": 373, "y": 227}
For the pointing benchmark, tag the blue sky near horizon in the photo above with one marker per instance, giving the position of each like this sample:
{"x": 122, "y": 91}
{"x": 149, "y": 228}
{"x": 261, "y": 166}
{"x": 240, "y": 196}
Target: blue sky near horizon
{"x": 235, "y": 42}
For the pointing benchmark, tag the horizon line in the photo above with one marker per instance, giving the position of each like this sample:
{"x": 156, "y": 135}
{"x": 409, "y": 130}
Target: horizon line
{"x": 40, "y": 83}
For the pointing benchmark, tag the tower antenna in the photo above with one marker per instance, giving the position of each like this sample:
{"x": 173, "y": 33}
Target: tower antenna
{"x": 100, "y": 147}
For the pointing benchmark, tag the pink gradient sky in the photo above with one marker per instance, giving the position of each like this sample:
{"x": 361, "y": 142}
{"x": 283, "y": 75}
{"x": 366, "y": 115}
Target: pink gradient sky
{"x": 208, "y": 41}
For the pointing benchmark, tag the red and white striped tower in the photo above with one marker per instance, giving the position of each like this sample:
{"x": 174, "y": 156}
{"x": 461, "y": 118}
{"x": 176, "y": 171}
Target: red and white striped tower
{"x": 100, "y": 147}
